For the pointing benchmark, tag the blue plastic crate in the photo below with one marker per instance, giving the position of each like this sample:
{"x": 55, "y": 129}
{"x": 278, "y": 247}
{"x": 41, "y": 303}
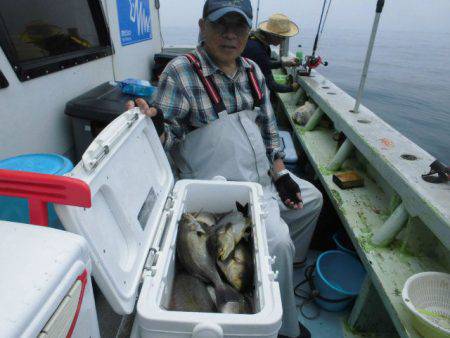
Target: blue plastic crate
{"x": 16, "y": 209}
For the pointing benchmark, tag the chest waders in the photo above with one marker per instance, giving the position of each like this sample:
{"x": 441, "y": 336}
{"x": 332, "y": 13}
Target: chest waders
{"x": 230, "y": 146}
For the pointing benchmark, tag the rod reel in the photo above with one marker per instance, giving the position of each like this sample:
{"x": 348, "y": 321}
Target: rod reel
{"x": 311, "y": 62}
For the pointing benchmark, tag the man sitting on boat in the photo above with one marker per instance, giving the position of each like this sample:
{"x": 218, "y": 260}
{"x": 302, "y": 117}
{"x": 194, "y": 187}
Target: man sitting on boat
{"x": 272, "y": 32}
{"x": 215, "y": 118}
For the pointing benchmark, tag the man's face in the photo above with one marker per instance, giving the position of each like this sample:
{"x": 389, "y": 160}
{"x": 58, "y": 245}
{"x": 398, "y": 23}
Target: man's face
{"x": 226, "y": 38}
{"x": 275, "y": 40}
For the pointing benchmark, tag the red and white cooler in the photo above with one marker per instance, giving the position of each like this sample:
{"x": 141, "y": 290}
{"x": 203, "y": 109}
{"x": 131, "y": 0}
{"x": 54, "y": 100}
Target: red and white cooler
{"x": 45, "y": 283}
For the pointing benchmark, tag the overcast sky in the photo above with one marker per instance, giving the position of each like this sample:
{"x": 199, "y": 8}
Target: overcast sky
{"x": 398, "y": 15}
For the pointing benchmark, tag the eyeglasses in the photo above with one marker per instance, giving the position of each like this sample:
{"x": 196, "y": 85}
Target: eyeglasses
{"x": 223, "y": 26}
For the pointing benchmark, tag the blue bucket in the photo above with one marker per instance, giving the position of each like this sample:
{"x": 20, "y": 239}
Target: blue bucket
{"x": 340, "y": 238}
{"x": 16, "y": 209}
{"x": 339, "y": 279}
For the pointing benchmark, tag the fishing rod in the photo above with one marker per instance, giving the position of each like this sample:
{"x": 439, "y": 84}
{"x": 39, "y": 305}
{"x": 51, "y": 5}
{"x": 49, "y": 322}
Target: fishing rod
{"x": 379, "y": 9}
{"x": 316, "y": 40}
{"x": 313, "y": 61}
{"x": 257, "y": 15}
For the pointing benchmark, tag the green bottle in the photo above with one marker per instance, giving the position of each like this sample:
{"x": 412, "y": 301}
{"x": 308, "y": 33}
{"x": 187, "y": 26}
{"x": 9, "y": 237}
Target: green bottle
{"x": 299, "y": 54}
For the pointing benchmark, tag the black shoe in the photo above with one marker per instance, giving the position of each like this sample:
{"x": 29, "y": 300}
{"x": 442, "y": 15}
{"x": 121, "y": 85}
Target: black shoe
{"x": 300, "y": 264}
{"x": 304, "y": 332}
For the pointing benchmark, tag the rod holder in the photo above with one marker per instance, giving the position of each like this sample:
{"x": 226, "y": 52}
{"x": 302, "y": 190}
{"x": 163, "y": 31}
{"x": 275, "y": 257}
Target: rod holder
{"x": 342, "y": 154}
{"x": 284, "y": 48}
{"x": 394, "y": 224}
{"x": 314, "y": 120}
{"x": 373, "y": 35}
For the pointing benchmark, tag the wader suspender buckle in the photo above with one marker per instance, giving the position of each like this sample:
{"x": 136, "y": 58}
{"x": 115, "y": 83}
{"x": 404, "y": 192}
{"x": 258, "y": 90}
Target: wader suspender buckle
{"x": 209, "y": 85}
{"x": 211, "y": 88}
{"x": 254, "y": 85}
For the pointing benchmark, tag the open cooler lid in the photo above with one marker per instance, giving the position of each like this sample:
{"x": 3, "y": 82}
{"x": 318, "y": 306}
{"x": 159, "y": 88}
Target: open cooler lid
{"x": 130, "y": 179}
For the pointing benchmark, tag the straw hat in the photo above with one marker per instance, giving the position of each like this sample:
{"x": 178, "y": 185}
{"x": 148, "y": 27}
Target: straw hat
{"x": 279, "y": 24}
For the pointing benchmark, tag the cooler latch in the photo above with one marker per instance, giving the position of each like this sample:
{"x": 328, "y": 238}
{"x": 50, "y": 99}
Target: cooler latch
{"x": 153, "y": 254}
{"x": 150, "y": 262}
{"x": 169, "y": 202}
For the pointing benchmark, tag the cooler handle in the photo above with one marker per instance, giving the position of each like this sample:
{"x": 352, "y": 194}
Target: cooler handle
{"x": 207, "y": 330}
{"x": 107, "y": 139}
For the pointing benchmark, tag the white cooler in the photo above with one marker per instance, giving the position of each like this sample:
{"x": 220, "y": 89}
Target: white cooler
{"x": 131, "y": 230}
{"x": 45, "y": 285}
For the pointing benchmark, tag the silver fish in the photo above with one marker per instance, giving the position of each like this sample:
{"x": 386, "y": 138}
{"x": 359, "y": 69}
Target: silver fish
{"x": 207, "y": 218}
{"x": 190, "y": 294}
{"x": 234, "y": 302}
{"x": 193, "y": 253}
{"x": 194, "y": 256}
{"x": 238, "y": 267}
{"x": 230, "y": 230}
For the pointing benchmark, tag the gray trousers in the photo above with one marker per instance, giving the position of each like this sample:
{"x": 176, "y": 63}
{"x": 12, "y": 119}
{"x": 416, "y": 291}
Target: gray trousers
{"x": 289, "y": 234}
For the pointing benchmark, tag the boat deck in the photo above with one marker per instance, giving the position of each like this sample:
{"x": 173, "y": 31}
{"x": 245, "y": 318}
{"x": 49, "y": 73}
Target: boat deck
{"x": 362, "y": 211}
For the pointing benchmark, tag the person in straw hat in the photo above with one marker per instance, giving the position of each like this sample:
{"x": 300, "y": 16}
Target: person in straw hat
{"x": 272, "y": 32}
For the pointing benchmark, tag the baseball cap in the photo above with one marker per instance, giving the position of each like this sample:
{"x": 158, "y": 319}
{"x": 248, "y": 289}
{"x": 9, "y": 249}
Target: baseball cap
{"x": 213, "y": 10}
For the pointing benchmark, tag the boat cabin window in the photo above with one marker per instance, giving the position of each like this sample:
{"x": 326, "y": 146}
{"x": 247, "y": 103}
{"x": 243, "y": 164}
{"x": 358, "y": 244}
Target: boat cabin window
{"x": 3, "y": 82}
{"x": 43, "y": 36}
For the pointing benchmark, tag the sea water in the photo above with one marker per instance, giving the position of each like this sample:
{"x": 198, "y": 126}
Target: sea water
{"x": 408, "y": 84}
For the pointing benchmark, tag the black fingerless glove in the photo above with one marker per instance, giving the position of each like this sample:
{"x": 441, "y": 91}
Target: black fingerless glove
{"x": 287, "y": 188}
{"x": 158, "y": 122}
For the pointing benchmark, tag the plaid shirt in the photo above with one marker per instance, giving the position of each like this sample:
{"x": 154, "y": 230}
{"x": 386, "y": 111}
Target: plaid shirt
{"x": 186, "y": 106}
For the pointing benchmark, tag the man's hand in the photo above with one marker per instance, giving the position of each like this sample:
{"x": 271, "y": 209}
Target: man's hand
{"x": 156, "y": 116}
{"x": 143, "y": 106}
{"x": 292, "y": 62}
{"x": 287, "y": 188}
{"x": 289, "y": 192}
{"x": 295, "y": 86}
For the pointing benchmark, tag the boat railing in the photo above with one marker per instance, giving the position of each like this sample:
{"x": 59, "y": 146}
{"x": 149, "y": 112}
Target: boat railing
{"x": 398, "y": 223}
{"x": 397, "y": 159}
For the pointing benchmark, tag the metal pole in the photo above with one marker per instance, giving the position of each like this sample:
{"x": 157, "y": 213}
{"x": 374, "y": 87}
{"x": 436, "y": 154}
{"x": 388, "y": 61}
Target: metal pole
{"x": 379, "y": 9}
{"x": 387, "y": 232}
{"x": 284, "y": 47}
{"x": 342, "y": 154}
{"x": 314, "y": 120}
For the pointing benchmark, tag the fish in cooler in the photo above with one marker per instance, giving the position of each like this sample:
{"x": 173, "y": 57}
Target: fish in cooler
{"x": 230, "y": 229}
{"x": 198, "y": 246}
{"x": 207, "y": 218}
{"x": 238, "y": 267}
{"x": 190, "y": 294}
{"x": 192, "y": 250}
{"x": 195, "y": 258}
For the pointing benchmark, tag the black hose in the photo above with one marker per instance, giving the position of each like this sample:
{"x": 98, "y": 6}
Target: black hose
{"x": 309, "y": 297}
